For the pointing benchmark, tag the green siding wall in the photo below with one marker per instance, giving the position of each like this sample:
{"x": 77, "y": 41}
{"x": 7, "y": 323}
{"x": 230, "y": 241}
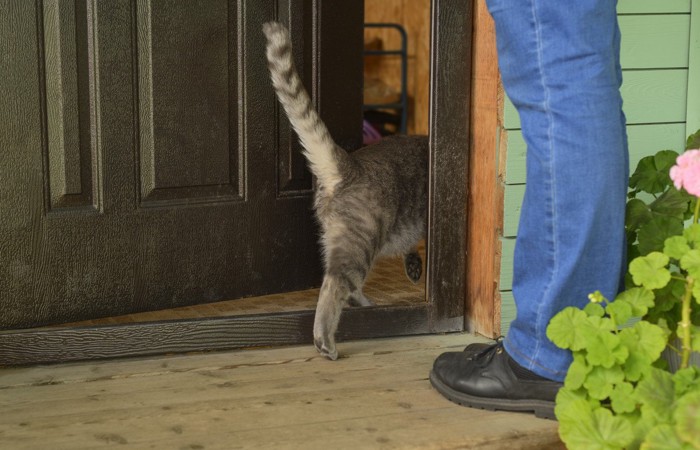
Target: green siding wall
{"x": 661, "y": 93}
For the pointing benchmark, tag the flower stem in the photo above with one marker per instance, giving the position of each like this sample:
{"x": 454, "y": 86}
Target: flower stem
{"x": 697, "y": 210}
{"x": 685, "y": 323}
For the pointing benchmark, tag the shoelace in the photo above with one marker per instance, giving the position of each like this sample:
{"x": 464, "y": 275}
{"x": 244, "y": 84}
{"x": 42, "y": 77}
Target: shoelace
{"x": 486, "y": 355}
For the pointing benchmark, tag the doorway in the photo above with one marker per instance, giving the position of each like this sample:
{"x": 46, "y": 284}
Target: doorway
{"x": 109, "y": 32}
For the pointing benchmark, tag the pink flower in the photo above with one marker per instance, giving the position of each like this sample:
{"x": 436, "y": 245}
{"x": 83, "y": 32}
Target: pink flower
{"x": 686, "y": 172}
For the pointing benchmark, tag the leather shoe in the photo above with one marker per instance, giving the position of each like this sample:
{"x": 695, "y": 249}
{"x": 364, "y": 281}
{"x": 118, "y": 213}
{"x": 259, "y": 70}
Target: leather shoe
{"x": 490, "y": 379}
{"x": 477, "y": 347}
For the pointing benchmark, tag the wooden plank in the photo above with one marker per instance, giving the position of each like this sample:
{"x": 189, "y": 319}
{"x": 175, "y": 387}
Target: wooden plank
{"x": 192, "y": 335}
{"x": 507, "y": 310}
{"x": 486, "y": 193}
{"x": 416, "y": 17}
{"x": 259, "y": 399}
{"x": 650, "y": 96}
{"x": 643, "y": 140}
{"x": 693, "y": 104}
{"x": 450, "y": 69}
{"x": 511, "y": 119}
{"x": 652, "y": 6}
{"x": 506, "y": 279}
{"x": 86, "y": 372}
{"x": 512, "y": 206}
{"x": 654, "y": 41}
{"x": 517, "y": 154}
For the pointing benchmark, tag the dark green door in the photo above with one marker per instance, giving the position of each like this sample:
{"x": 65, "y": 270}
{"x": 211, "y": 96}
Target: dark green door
{"x": 143, "y": 161}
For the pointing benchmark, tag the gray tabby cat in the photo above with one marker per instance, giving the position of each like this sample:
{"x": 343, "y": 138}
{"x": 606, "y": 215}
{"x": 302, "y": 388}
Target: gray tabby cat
{"x": 370, "y": 202}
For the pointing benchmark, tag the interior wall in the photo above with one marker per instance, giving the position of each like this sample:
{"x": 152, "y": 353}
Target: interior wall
{"x": 414, "y": 16}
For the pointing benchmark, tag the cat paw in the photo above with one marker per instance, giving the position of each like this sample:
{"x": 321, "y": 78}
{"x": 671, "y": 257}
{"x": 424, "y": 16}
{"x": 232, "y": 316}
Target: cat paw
{"x": 414, "y": 266}
{"x": 326, "y": 349}
{"x": 360, "y": 300}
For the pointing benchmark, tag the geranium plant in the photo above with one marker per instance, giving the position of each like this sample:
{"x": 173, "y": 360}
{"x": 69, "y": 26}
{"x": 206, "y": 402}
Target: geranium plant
{"x": 619, "y": 392}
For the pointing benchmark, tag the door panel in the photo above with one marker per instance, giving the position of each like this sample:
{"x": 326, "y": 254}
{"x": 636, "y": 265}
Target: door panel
{"x": 335, "y": 59}
{"x": 147, "y": 163}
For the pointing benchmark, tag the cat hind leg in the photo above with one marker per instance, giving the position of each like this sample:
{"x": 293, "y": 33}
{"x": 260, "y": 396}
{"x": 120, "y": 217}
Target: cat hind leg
{"x": 413, "y": 264}
{"x": 357, "y": 298}
{"x": 345, "y": 276}
{"x": 331, "y": 299}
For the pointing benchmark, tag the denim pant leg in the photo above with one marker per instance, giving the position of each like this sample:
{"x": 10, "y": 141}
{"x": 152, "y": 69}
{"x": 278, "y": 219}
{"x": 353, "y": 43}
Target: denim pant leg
{"x": 559, "y": 63}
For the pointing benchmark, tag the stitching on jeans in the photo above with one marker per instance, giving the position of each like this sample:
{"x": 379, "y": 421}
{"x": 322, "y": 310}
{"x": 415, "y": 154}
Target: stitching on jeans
{"x": 514, "y": 350}
{"x": 552, "y": 199}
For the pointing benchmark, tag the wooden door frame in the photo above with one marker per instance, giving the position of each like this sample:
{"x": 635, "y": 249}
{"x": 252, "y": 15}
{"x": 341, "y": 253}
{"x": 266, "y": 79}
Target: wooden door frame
{"x": 446, "y": 271}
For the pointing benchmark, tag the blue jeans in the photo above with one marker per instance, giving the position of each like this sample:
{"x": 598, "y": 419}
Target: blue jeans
{"x": 559, "y": 63}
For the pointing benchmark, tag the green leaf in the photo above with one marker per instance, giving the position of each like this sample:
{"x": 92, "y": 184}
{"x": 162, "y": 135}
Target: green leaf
{"x": 650, "y": 271}
{"x": 601, "y": 381}
{"x": 691, "y": 262}
{"x": 687, "y": 379}
{"x": 687, "y": 418}
{"x": 693, "y": 141}
{"x": 673, "y": 203}
{"x": 652, "y": 339}
{"x": 651, "y": 174}
{"x": 651, "y": 235}
{"x": 622, "y": 398}
{"x": 619, "y": 311}
{"x": 645, "y": 342}
{"x": 582, "y": 427}
{"x": 640, "y": 300}
{"x": 695, "y": 340}
{"x": 692, "y": 234}
{"x": 676, "y": 246}
{"x": 568, "y": 329}
{"x": 663, "y": 437}
{"x": 669, "y": 296}
{"x": 577, "y": 373}
{"x": 656, "y": 393}
{"x": 594, "y": 309}
{"x": 637, "y": 213}
{"x": 614, "y": 432}
{"x": 603, "y": 347}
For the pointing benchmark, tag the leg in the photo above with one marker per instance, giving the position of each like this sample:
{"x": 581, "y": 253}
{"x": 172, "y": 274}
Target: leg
{"x": 563, "y": 76}
{"x": 413, "y": 264}
{"x": 559, "y": 63}
{"x": 358, "y": 298}
{"x": 334, "y": 293}
{"x": 345, "y": 275}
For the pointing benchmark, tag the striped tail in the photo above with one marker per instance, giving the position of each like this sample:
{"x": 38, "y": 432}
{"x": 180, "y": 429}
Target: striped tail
{"x": 322, "y": 153}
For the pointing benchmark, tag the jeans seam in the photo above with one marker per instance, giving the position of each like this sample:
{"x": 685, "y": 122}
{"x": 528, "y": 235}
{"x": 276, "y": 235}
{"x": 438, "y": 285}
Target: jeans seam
{"x": 552, "y": 197}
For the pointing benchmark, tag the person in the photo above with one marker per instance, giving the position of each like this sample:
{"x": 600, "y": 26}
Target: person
{"x": 559, "y": 63}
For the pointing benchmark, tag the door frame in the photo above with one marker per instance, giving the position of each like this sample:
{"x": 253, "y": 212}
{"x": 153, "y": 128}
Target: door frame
{"x": 444, "y": 309}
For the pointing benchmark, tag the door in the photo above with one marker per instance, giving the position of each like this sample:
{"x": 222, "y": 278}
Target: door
{"x": 145, "y": 163}
{"x": 36, "y": 225}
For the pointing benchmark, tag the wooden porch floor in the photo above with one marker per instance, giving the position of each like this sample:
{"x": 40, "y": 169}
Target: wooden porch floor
{"x": 376, "y": 396}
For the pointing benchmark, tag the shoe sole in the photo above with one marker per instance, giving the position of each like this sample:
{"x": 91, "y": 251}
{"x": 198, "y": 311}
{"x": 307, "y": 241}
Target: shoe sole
{"x": 541, "y": 408}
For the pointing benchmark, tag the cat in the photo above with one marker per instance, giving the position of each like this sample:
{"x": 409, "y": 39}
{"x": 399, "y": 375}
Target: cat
{"x": 368, "y": 203}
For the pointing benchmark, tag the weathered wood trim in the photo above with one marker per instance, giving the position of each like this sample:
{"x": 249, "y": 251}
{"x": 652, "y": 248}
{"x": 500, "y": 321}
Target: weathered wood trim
{"x": 51, "y": 345}
{"x": 450, "y": 72}
{"x": 485, "y": 181}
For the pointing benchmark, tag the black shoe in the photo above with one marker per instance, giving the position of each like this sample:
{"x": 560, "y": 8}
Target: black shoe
{"x": 491, "y": 380}
{"x": 477, "y": 347}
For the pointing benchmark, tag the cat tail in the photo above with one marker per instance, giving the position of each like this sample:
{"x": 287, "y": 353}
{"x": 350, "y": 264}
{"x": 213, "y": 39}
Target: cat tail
{"x": 322, "y": 153}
